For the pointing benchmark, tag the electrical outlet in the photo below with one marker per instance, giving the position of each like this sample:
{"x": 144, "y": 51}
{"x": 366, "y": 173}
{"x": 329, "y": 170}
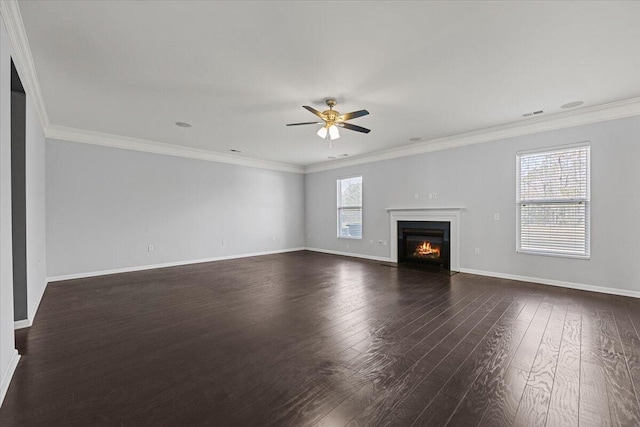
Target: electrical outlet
{"x": 496, "y": 217}
{"x": 476, "y": 251}
{"x": 273, "y": 238}
{"x": 224, "y": 242}
{"x": 150, "y": 248}
{"x": 433, "y": 195}
{"x": 416, "y": 196}
{"x": 347, "y": 246}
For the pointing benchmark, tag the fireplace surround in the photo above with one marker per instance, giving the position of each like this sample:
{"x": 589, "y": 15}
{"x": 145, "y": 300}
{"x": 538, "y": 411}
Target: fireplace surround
{"x": 450, "y": 215}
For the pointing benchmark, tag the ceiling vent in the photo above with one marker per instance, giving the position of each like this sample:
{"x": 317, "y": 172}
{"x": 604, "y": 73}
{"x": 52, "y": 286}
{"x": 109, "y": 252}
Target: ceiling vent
{"x": 535, "y": 113}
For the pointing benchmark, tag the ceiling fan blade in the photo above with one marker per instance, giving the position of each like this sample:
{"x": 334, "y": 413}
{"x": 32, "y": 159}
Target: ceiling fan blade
{"x": 353, "y": 127}
{"x": 314, "y": 111}
{"x": 354, "y": 114}
{"x": 305, "y": 123}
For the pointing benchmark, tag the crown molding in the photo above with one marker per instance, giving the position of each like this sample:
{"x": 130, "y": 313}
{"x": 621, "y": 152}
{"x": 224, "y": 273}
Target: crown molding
{"x": 595, "y": 114}
{"x": 10, "y": 12}
{"x": 584, "y": 116}
{"x": 12, "y": 18}
{"x": 116, "y": 141}
{"x": 22, "y": 58}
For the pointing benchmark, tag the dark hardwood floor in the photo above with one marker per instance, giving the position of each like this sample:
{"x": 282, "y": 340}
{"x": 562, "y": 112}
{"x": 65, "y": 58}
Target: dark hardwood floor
{"x": 312, "y": 339}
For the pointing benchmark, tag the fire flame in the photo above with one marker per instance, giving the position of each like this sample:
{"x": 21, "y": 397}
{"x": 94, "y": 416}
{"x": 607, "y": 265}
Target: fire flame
{"x": 425, "y": 249}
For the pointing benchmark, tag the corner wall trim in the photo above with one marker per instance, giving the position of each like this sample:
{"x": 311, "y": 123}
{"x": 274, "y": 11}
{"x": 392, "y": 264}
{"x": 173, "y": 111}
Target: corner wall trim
{"x": 8, "y": 374}
{"x": 551, "y": 282}
{"x": 21, "y": 324}
{"x": 22, "y": 57}
{"x": 350, "y": 254}
{"x": 164, "y": 265}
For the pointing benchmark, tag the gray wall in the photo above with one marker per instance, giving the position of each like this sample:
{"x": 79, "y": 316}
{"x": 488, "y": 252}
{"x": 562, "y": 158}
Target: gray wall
{"x": 35, "y": 209}
{"x": 106, "y": 205}
{"x": 482, "y": 179}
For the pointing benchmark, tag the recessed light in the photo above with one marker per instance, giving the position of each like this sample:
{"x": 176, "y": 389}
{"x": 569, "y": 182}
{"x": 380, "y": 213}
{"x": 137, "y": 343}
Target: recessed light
{"x": 331, "y": 157}
{"x": 233, "y": 150}
{"x": 573, "y": 104}
{"x": 415, "y": 139}
{"x": 183, "y": 124}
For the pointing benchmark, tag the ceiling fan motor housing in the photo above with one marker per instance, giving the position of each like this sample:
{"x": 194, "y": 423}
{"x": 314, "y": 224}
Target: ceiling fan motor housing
{"x": 330, "y": 116}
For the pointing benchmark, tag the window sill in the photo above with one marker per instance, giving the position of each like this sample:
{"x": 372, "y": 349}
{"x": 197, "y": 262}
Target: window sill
{"x": 554, "y": 255}
{"x": 349, "y": 238}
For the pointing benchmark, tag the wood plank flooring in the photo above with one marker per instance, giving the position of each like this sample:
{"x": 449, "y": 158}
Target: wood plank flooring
{"x": 312, "y": 339}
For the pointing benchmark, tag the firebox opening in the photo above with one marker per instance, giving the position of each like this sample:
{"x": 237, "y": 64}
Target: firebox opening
{"x": 425, "y": 250}
{"x": 424, "y": 243}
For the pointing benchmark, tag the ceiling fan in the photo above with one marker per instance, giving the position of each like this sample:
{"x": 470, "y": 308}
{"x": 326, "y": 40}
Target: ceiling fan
{"x": 332, "y": 120}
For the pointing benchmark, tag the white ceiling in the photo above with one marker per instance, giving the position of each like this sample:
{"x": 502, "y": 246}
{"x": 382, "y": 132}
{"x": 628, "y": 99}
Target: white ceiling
{"x": 239, "y": 71}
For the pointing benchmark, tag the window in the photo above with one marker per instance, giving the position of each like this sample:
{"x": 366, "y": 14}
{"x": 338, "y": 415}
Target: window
{"x": 553, "y": 202}
{"x": 350, "y": 208}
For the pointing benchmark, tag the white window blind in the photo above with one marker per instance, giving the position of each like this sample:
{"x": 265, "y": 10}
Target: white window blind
{"x": 553, "y": 202}
{"x": 350, "y": 207}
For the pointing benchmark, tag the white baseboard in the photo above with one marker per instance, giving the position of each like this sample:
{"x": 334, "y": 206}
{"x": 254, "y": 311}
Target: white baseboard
{"x": 550, "y": 282}
{"x": 34, "y": 309}
{"x": 26, "y": 323}
{"x": 8, "y": 374}
{"x": 21, "y": 324}
{"x": 164, "y": 265}
{"x": 350, "y": 254}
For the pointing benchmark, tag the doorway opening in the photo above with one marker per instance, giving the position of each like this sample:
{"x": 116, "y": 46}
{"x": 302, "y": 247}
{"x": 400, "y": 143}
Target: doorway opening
{"x": 18, "y": 195}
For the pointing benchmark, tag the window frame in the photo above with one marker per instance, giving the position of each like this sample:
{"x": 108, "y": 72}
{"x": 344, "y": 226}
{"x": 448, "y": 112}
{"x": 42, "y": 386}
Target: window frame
{"x": 586, "y": 201}
{"x": 351, "y": 208}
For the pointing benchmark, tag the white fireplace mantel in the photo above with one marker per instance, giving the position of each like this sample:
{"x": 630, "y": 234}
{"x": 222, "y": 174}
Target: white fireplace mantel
{"x": 443, "y": 214}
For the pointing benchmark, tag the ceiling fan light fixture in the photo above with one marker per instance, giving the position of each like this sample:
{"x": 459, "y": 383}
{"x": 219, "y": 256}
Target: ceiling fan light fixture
{"x": 322, "y": 133}
{"x": 333, "y": 132}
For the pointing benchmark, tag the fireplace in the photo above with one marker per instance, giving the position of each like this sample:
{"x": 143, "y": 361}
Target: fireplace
{"x": 425, "y": 243}
{"x": 448, "y": 215}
